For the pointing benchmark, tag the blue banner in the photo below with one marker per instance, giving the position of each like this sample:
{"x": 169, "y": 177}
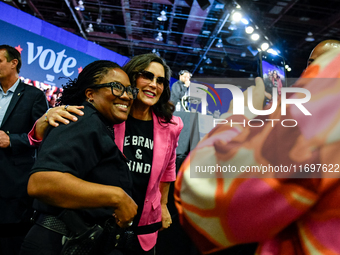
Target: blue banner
{"x": 48, "y": 52}
{"x": 43, "y": 60}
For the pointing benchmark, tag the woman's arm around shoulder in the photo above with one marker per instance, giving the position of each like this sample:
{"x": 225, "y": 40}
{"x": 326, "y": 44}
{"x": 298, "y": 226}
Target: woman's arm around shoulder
{"x": 54, "y": 116}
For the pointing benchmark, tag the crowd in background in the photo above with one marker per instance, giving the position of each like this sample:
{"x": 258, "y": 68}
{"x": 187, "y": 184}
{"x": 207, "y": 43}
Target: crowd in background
{"x": 52, "y": 94}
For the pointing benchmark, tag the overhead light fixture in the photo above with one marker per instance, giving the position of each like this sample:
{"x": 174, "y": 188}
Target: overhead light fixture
{"x": 219, "y": 44}
{"x": 162, "y": 17}
{"x": 309, "y": 37}
{"x": 159, "y": 37}
{"x": 201, "y": 70}
{"x": 89, "y": 29}
{"x": 289, "y": 69}
{"x": 272, "y": 51}
{"x": 243, "y": 54}
{"x": 249, "y": 29}
{"x": 208, "y": 61}
{"x": 244, "y": 21}
{"x": 154, "y": 51}
{"x": 80, "y": 6}
{"x": 286, "y": 66}
{"x": 99, "y": 19}
{"x": 264, "y": 46}
{"x": 255, "y": 37}
{"x": 237, "y": 16}
{"x": 61, "y": 14}
{"x": 232, "y": 26}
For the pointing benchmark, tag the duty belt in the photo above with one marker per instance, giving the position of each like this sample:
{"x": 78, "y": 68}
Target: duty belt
{"x": 52, "y": 223}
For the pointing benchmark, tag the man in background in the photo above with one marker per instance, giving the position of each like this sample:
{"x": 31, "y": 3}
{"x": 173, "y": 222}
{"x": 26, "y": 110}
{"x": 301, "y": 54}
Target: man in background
{"x": 20, "y": 106}
{"x": 180, "y": 88}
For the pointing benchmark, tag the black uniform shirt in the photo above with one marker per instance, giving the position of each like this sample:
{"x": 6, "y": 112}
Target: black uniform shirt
{"x": 85, "y": 149}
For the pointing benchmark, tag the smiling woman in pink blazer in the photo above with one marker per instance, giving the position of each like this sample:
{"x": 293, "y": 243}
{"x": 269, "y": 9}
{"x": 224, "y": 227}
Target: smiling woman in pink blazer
{"x": 148, "y": 139}
{"x": 163, "y": 171}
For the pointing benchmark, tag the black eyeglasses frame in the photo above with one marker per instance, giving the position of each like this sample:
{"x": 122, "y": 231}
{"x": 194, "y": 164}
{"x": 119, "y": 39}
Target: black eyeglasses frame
{"x": 129, "y": 89}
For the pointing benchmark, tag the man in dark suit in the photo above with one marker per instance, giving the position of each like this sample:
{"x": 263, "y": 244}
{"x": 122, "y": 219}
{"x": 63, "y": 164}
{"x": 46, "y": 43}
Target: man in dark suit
{"x": 20, "y": 106}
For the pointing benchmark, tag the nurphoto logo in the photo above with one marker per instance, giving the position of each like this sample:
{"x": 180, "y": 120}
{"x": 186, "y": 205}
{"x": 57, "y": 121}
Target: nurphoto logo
{"x": 238, "y": 105}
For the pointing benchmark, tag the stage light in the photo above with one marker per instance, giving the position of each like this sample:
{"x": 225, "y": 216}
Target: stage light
{"x": 219, "y": 44}
{"x": 255, "y": 37}
{"x": 80, "y": 6}
{"x": 237, "y": 16}
{"x": 232, "y": 26}
{"x": 244, "y": 21}
{"x": 272, "y": 51}
{"x": 99, "y": 19}
{"x": 159, "y": 37}
{"x": 249, "y": 29}
{"x": 264, "y": 46}
{"x": 162, "y": 17}
{"x": 309, "y": 37}
{"x": 89, "y": 29}
{"x": 154, "y": 51}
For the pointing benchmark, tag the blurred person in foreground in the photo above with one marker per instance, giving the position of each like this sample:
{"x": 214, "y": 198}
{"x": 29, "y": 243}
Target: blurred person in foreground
{"x": 276, "y": 211}
{"x": 79, "y": 166}
{"x": 322, "y": 48}
{"x": 20, "y": 106}
{"x": 149, "y": 139}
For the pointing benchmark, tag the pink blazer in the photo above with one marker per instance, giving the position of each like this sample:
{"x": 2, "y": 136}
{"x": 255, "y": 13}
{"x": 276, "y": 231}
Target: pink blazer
{"x": 163, "y": 169}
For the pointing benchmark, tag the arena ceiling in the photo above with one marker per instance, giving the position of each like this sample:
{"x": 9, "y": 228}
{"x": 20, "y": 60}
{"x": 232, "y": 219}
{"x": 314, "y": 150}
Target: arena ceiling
{"x": 191, "y": 29}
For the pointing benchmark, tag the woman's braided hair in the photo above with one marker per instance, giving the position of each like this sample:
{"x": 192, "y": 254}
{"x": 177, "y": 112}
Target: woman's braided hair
{"x": 93, "y": 73}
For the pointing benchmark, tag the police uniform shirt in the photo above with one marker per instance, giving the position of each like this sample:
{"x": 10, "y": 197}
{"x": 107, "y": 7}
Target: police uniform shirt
{"x": 85, "y": 149}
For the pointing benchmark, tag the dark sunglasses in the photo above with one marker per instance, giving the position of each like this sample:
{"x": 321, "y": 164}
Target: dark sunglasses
{"x": 118, "y": 89}
{"x": 150, "y": 76}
